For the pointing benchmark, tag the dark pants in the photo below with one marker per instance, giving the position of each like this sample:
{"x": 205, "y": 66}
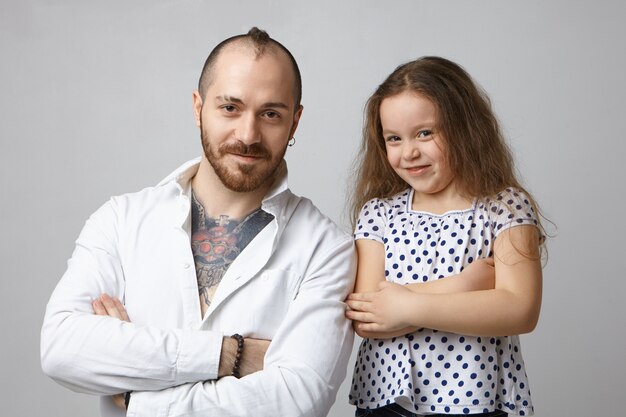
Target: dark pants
{"x": 394, "y": 410}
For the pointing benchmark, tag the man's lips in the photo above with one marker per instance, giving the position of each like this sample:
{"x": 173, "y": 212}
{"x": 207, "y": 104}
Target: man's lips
{"x": 245, "y": 153}
{"x": 247, "y": 157}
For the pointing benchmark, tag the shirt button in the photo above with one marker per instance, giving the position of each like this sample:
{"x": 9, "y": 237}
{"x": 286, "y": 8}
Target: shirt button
{"x": 186, "y": 265}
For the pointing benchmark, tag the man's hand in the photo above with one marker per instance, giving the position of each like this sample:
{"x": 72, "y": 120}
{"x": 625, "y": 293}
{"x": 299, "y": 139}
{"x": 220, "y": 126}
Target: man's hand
{"x": 253, "y": 351}
{"x": 251, "y": 361}
{"x": 118, "y": 400}
{"x": 112, "y": 307}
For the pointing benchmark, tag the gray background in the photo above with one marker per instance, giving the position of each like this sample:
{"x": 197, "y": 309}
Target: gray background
{"x": 95, "y": 100}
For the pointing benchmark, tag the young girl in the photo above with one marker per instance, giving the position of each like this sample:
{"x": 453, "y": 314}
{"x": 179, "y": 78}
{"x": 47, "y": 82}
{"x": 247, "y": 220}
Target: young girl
{"x": 436, "y": 191}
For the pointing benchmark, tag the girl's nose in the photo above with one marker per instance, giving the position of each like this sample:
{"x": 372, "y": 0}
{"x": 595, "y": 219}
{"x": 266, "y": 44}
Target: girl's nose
{"x": 410, "y": 151}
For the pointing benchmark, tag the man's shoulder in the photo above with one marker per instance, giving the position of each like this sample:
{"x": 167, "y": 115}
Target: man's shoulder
{"x": 146, "y": 197}
{"x": 308, "y": 218}
{"x": 165, "y": 190}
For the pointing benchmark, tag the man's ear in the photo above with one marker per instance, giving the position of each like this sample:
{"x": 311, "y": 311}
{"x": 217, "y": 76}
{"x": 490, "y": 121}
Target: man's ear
{"x": 296, "y": 120}
{"x": 197, "y": 106}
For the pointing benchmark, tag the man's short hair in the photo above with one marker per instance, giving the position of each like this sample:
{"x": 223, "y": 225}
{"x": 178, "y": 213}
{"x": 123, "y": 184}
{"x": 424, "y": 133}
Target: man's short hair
{"x": 260, "y": 40}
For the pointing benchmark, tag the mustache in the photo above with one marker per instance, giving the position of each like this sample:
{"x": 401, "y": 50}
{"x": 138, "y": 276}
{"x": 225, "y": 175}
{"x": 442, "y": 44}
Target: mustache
{"x": 256, "y": 149}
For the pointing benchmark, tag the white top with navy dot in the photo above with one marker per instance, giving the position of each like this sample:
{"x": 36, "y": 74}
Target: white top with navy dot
{"x": 432, "y": 371}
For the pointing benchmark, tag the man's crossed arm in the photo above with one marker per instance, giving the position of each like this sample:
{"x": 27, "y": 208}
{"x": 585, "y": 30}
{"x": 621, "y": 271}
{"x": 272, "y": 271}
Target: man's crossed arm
{"x": 250, "y": 362}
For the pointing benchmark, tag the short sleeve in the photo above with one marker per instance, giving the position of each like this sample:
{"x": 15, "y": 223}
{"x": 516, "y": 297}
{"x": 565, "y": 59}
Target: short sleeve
{"x": 510, "y": 208}
{"x": 371, "y": 222}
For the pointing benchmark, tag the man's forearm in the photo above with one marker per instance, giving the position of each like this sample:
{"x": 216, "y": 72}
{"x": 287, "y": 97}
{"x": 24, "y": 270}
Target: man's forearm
{"x": 294, "y": 381}
{"x": 234, "y": 359}
{"x": 251, "y": 359}
{"x": 103, "y": 355}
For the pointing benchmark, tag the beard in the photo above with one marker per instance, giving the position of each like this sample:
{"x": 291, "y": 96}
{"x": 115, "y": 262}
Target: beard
{"x": 244, "y": 177}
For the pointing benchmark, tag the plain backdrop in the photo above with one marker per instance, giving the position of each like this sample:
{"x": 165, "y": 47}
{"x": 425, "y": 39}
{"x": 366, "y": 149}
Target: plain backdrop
{"x": 95, "y": 100}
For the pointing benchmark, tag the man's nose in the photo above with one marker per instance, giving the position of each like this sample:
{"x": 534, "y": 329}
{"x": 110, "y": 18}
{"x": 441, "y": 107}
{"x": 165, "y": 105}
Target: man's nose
{"x": 248, "y": 129}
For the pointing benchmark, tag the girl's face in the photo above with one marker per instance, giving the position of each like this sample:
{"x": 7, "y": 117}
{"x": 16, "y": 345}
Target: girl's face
{"x": 414, "y": 149}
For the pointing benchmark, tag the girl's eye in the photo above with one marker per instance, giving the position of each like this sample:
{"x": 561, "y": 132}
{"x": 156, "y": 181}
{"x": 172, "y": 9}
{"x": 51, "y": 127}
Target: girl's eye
{"x": 392, "y": 139}
{"x": 424, "y": 134}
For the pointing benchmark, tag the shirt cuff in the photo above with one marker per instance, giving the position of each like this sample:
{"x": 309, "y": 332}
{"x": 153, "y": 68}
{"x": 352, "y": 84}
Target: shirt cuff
{"x": 199, "y": 356}
{"x": 149, "y": 404}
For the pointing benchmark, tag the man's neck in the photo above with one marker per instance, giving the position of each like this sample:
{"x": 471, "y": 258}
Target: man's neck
{"x": 218, "y": 200}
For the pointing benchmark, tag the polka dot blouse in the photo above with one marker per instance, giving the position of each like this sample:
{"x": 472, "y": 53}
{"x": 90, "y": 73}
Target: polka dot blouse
{"x": 432, "y": 371}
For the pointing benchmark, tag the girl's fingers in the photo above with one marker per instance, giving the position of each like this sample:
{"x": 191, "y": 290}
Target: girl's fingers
{"x": 368, "y": 327}
{"x": 376, "y": 327}
{"x": 359, "y": 316}
{"x": 359, "y": 305}
{"x": 360, "y": 296}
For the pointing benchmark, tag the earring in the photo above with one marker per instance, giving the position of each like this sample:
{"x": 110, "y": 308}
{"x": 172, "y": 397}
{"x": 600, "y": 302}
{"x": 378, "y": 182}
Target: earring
{"x": 292, "y": 141}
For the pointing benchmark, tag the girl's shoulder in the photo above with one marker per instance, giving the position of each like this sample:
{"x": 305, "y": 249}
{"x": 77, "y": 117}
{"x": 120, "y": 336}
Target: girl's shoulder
{"x": 511, "y": 199}
{"x": 377, "y": 212}
{"x": 509, "y": 207}
{"x": 511, "y": 195}
{"x": 397, "y": 201}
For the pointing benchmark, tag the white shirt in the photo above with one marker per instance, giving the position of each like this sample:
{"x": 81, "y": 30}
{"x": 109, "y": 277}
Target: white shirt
{"x": 288, "y": 285}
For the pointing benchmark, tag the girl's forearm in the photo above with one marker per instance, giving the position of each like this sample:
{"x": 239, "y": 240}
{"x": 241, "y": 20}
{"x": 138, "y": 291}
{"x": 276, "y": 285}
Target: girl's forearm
{"x": 479, "y": 275}
{"x": 496, "y": 312}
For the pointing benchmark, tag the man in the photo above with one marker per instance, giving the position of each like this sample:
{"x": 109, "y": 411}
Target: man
{"x": 268, "y": 266}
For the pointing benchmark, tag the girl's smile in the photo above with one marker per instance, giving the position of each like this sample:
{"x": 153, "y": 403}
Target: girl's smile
{"x": 415, "y": 150}
{"x": 418, "y": 170}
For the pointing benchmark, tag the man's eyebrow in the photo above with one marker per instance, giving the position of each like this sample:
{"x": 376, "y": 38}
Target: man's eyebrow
{"x": 229, "y": 99}
{"x": 271, "y": 104}
{"x": 276, "y": 104}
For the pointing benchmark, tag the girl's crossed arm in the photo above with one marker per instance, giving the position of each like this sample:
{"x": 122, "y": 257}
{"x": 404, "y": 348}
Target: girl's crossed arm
{"x": 480, "y": 275}
{"x": 512, "y": 307}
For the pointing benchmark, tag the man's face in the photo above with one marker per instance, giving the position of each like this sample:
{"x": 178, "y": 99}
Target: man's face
{"x": 247, "y": 116}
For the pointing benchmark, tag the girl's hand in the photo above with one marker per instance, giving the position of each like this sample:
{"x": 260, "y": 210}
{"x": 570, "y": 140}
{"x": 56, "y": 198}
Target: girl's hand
{"x": 382, "y": 311}
{"x": 479, "y": 275}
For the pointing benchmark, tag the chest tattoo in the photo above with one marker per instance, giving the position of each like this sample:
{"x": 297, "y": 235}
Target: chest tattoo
{"x": 216, "y": 243}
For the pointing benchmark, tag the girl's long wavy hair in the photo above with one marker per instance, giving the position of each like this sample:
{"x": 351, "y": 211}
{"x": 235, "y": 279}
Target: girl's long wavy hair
{"x": 475, "y": 149}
